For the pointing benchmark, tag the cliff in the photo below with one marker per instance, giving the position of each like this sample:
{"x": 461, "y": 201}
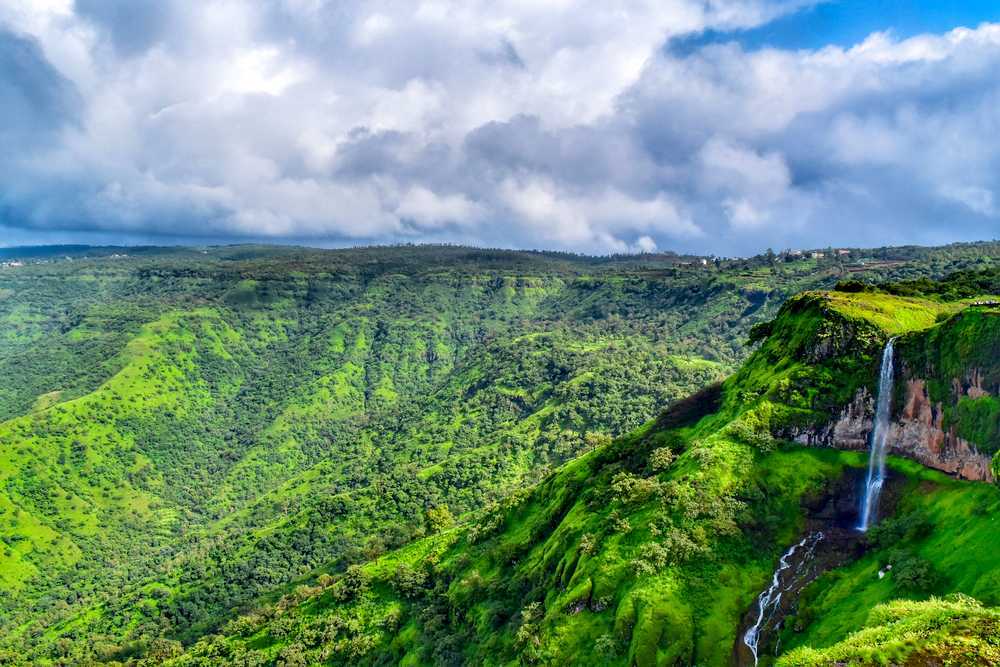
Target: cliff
{"x": 946, "y": 408}
{"x": 919, "y": 433}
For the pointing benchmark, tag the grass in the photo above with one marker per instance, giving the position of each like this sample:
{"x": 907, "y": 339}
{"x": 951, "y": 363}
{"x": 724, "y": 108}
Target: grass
{"x": 67, "y": 468}
{"x": 960, "y": 545}
{"x": 951, "y": 631}
{"x": 895, "y": 315}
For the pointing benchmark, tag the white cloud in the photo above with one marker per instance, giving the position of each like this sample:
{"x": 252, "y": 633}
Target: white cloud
{"x": 260, "y": 70}
{"x": 595, "y": 221}
{"x": 562, "y": 124}
{"x": 373, "y": 28}
{"x": 645, "y": 244}
{"x": 430, "y": 210}
{"x": 730, "y": 167}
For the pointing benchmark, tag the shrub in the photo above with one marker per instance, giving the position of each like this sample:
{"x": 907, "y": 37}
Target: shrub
{"x": 652, "y": 558}
{"x": 606, "y": 646}
{"x": 409, "y": 582}
{"x": 914, "y": 574}
{"x": 628, "y": 488}
{"x": 898, "y": 529}
{"x": 351, "y": 586}
{"x": 853, "y": 286}
{"x": 439, "y": 518}
{"x": 753, "y": 428}
{"x": 661, "y": 459}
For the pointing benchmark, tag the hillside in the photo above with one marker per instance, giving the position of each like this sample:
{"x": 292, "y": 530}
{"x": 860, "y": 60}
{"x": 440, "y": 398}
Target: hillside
{"x": 652, "y": 549}
{"x": 189, "y": 434}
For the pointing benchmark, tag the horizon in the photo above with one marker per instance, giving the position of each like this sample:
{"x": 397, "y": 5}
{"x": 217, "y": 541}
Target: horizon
{"x": 662, "y": 252}
{"x": 705, "y": 129}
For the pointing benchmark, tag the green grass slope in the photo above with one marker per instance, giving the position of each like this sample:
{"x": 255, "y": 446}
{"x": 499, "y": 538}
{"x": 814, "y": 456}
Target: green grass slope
{"x": 77, "y": 478}
{"x": 953, "y": 631}
{"x": 942, "y": 539}
{"x": 458, "y": 474}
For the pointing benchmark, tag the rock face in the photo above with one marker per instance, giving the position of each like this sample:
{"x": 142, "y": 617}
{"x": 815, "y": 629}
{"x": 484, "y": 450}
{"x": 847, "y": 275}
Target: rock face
{"x": 917, "y": 432}
{"x": 849, "y": 431}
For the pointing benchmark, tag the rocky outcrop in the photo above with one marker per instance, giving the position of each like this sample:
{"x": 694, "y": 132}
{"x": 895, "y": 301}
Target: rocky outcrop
{"x": 849, "y": 431}
{"x": 917, "y": 432}
{"x": 920, "y": 434}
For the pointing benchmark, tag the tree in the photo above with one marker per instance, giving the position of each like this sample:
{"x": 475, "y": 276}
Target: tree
{"x": 439, "y": 518}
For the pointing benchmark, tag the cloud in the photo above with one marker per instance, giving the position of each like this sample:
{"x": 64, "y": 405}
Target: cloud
{"x": 132, "y": 26}
{"x": 428, "y": 209}
{"x": 36, "y": 99}
{"x": 564, "y": 125}
{"x": 749, "y": 184}
{"x": 592, "y": 219}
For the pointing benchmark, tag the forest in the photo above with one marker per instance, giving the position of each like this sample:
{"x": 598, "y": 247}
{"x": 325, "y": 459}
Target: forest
{"x": 450, "y": 455}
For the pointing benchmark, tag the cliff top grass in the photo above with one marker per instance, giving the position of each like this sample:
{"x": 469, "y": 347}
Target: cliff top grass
{"x": 952, "y": 631}
{"x": 821, "y": 349}
{"x": 895, "y": 315}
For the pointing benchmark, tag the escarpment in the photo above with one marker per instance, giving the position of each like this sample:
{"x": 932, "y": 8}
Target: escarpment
{"x": 921, "y": 433}
{"x": 946, "y": 407}
{"x": 849, "y": 430}
{"x": 918, "y": 432}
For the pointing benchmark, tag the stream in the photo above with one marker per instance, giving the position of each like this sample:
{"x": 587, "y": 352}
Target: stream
{"x": 831, "y": 538}
{"x": 792, "y": 566}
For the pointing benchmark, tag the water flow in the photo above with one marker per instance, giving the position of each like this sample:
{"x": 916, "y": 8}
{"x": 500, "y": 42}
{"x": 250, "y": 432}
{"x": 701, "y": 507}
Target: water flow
{"x": 880, "y": 431}
{"x": 770, "y": 600}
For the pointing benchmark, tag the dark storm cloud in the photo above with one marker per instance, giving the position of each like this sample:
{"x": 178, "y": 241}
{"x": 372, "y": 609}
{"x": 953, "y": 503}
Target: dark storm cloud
{"x": 37, "y": 103}
{"x": 36, "y": 100}
{"x": 490, "y": 122}
{"x": 364, "y": 153}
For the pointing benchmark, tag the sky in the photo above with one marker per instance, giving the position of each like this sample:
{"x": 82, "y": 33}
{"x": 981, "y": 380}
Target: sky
{"x": 711, "y": 126}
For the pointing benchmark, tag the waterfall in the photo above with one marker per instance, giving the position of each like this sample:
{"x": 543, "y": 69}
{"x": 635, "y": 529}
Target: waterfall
{"x": 880, "y": 431}
{"x": 770, "y": 600}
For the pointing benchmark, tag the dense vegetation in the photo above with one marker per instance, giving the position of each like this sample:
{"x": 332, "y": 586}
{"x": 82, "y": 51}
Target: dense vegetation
{"x": 650, "y": 549}
{"x": 191, "y": 434}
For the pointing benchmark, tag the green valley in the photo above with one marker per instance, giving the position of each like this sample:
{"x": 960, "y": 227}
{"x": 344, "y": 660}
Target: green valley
{"x": 253, "y": 455}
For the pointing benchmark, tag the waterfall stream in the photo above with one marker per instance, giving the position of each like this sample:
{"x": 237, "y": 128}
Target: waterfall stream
{"x": 769, "y": 601}
{"x": 880, "y": 431}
